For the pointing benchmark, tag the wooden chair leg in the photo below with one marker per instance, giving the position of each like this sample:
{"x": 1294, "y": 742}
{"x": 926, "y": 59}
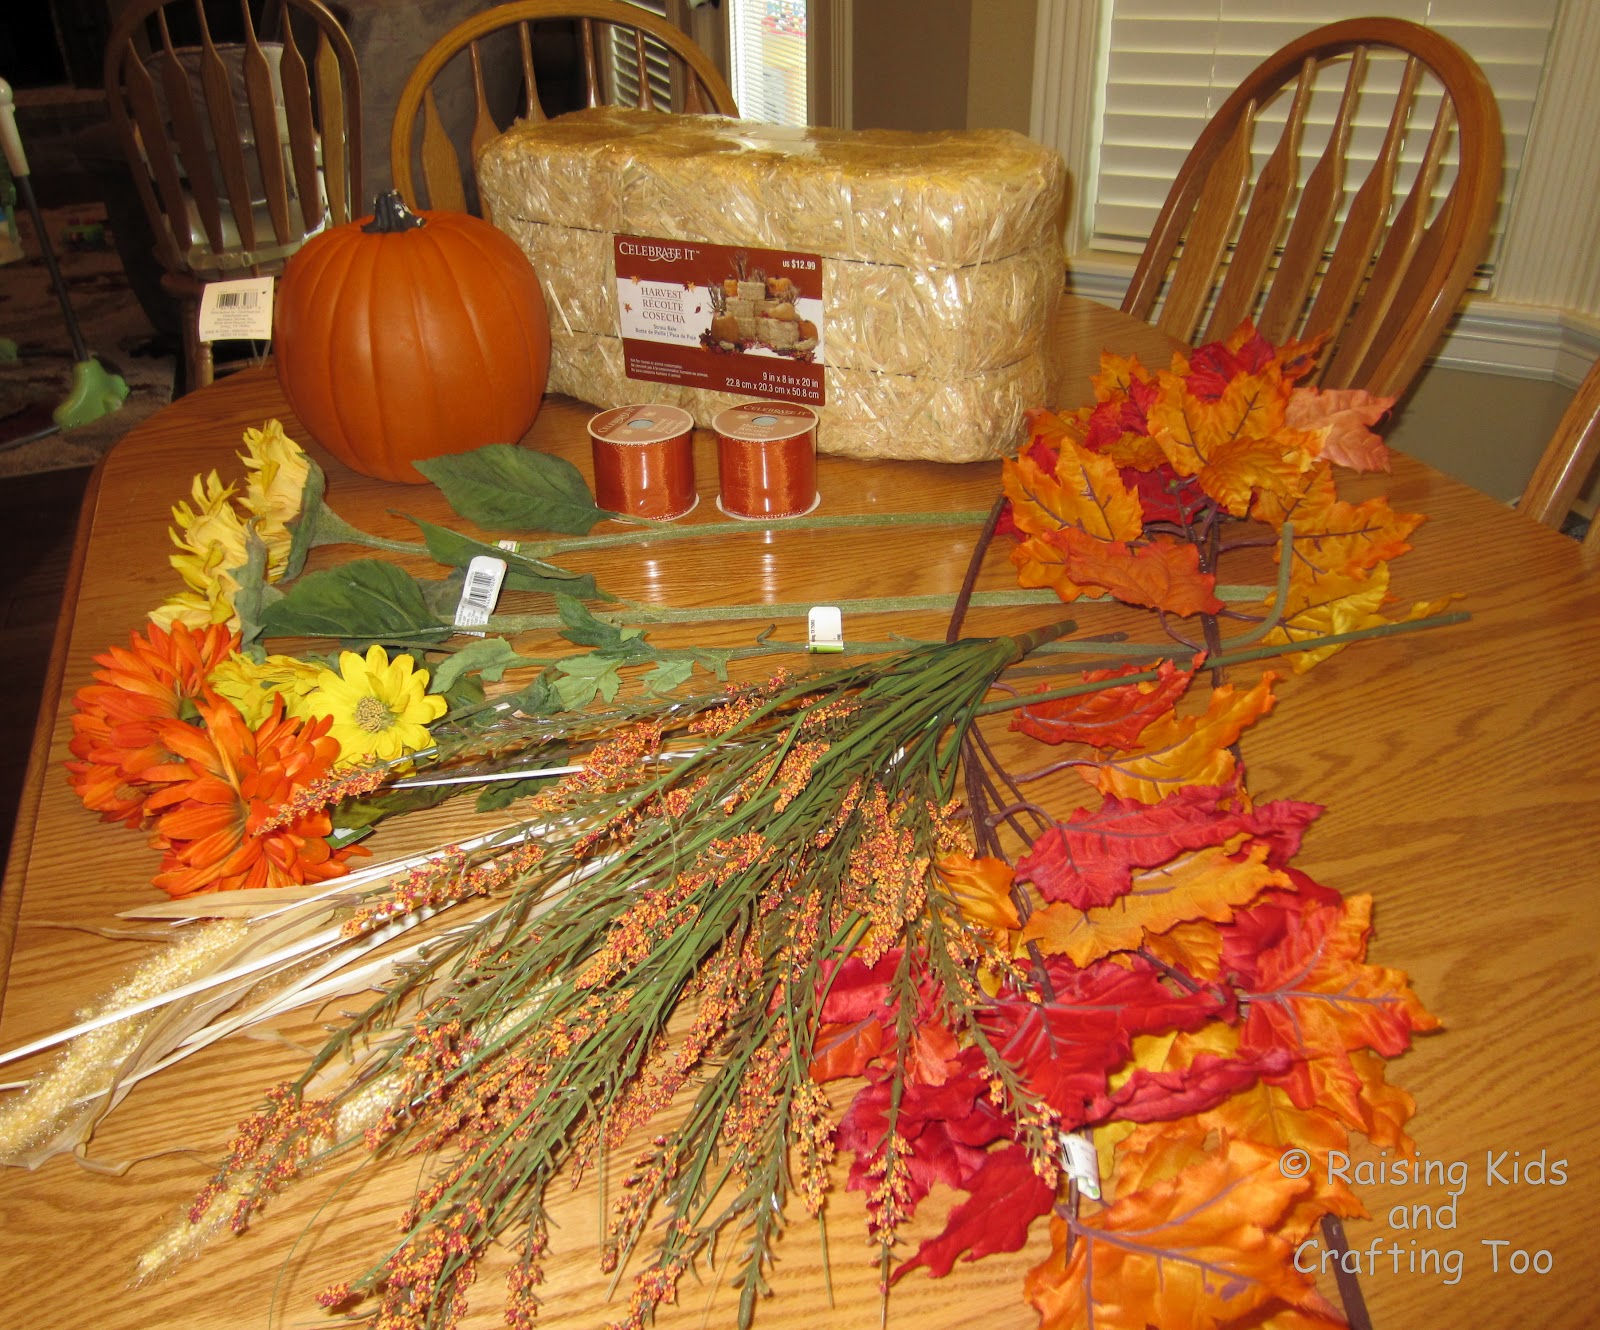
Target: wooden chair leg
{"x": 198, "y": 365}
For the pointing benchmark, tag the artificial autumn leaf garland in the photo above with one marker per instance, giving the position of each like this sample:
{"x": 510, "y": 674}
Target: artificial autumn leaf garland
{"x": 857, "y": 926}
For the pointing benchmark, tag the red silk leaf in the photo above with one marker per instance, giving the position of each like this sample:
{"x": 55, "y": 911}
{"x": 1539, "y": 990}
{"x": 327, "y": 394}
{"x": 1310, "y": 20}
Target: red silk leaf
{"x": 1209, "y": 1080}
{"x": 946, "y": 1128}
{"x": 856, "y": 991}
{"x": 1066, "y": 1046}
{"x": 1110, "y": 718}
{"x": 1006, "y": 1197}
{"x": 1090, "y": 860}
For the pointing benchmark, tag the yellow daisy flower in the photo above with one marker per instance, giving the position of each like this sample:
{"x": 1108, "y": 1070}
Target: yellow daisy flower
{"x": 380, "y": 708}
{"x": 252, "y": 685}
{"x": 274, "y": 488}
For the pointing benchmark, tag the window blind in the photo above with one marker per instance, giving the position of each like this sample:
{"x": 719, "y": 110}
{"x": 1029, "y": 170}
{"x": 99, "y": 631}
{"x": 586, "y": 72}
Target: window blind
{"x": 624, "y": 63}
{"x": 1170, "y": 65}
{"x": 767, "y": 55}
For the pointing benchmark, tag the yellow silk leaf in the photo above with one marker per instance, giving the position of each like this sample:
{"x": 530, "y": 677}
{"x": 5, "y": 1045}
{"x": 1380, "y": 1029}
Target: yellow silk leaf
{"x": 1319, "y": 606}
{"x": 1183, "y": 750}
{"x": 1209, "y": 883}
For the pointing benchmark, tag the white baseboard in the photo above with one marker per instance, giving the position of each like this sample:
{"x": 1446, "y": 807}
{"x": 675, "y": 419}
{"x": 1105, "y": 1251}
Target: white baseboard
{"x": 1487, "y": 337}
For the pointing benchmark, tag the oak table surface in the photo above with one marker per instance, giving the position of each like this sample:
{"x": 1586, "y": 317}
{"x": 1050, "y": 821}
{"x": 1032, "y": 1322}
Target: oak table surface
{"x": 1457, "y": 765}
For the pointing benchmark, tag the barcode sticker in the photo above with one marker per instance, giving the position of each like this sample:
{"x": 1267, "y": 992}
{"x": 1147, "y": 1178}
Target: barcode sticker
{"x": 1082, "y": 1162}
{"x": 825, "y": 627}
{"x": 479, "y": 593}
{"x": 239, "y": 310}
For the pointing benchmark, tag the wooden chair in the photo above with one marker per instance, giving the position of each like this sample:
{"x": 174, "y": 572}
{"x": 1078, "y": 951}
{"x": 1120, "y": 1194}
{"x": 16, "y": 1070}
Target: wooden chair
{"x": 240, "y": 146}
{"x": 1568, "y": 461}
{"x": 1383, "y": 281}
{"x": 604, "y": 26}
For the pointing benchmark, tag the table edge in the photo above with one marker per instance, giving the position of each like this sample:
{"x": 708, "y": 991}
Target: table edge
{"x": 44, "y": 727}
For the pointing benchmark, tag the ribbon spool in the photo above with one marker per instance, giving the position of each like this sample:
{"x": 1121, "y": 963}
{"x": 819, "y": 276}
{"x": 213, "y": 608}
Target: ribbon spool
{"x": 643, "y": 461}
{"x": 766, "y": 459}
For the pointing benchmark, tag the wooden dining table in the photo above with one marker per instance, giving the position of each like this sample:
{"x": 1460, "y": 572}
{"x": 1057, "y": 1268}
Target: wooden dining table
{"x": 1458, "y": 769}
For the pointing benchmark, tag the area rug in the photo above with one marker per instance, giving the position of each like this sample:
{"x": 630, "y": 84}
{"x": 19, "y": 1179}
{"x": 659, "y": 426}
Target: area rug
{"x": 114, "y": 328}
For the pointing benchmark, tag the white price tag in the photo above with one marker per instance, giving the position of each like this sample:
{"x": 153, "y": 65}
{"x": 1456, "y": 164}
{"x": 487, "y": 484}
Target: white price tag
{"x": 826, "y": 629}
{"x": 239, "y": 310}
{"x": 480, "y": 592}
{"x": 1082, "y": 1163}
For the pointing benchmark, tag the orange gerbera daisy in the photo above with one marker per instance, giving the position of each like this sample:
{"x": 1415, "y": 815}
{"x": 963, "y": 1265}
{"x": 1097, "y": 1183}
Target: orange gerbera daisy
{"x": 116, "y": 725}
{"x": 237, "y": 779}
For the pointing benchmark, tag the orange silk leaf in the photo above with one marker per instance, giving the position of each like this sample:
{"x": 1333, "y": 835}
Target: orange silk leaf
{"x": 1203, "y": 884}
{"x": 1193, "y": 946}
{"x": 1163, "y": 574}
{"x": 1184, "y": 750}
{"x": 1240, "y": 467}
{"x": 1316, "y": 996}
{"x": 1333, "y": 537}
{"x": 1198, "y": 1251}
{"x": 982, "y": 889}
{"x": 844, "y": 1048}
{"x": 1086, "y": 492}
{"x": 1191, "y": 430}
{"x": 1343, "y": 416}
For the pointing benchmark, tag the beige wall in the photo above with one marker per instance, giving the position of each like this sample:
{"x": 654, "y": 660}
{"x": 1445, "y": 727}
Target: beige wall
{"x": 1484, "y": 429}
{"x": 910, "y": 63}
{"x": 1000, "y": 66}
{"x": 943, "y": 64}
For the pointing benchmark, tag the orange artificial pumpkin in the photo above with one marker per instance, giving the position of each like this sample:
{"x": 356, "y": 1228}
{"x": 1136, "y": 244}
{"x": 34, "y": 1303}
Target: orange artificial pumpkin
{"x": 406, "y": 336}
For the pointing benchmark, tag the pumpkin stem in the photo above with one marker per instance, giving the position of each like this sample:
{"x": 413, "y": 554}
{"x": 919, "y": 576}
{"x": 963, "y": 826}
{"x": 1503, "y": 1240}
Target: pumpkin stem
{"x": 390, "y": 215}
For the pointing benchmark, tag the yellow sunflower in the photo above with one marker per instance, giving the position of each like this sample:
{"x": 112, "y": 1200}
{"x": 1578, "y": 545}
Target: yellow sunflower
{"x": 380, "y": 707}
{"x": 211, "y": 543}
{"x": 274, "y": 489}
{"x": 251, "y": 685}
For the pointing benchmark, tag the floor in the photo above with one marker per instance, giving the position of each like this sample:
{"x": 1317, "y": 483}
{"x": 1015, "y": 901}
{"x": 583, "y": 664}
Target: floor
{"x": 38, "y": 519}
{"x": 38, "y": 516}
